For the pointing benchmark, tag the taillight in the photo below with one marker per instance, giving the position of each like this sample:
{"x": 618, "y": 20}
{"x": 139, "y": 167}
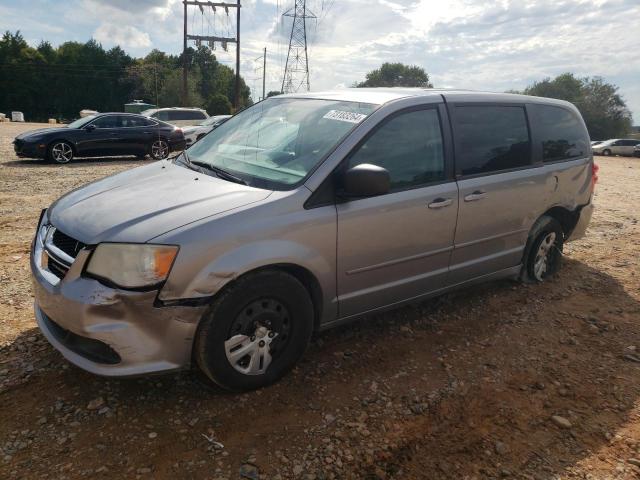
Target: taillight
{"x": 594, "y": 175}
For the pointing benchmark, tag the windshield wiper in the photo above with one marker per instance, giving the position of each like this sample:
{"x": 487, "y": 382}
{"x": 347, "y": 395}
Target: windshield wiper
{"x": 220, "y": 173}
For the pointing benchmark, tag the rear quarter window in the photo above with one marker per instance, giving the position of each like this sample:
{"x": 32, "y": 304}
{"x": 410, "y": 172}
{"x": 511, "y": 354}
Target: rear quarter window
{"x": 559, "y": 132}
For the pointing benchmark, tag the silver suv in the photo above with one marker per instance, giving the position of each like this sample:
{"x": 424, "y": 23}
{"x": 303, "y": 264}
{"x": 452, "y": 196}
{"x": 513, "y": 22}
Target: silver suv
{"x": 303, "y": 212}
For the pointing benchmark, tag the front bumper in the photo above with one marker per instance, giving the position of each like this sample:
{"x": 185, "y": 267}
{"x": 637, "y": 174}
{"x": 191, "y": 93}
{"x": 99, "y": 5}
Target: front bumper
{"x": 29, "y": 150}
{"x": 109, "y": 331}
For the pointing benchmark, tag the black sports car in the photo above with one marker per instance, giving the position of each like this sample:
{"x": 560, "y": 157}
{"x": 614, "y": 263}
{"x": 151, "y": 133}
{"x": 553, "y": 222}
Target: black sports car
{"x": 102, "y": 134}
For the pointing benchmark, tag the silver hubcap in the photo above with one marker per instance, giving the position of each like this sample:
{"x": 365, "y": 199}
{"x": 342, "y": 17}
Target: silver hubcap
{"x": 250, "y": 355}
{"x": 159, "y": 149}
{"x": 62, "y": 152}
{"x": 541, "y": 263}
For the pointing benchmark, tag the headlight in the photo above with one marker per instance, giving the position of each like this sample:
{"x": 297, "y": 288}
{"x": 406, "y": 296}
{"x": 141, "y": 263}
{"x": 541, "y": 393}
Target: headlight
{"x": 132, "y": 265}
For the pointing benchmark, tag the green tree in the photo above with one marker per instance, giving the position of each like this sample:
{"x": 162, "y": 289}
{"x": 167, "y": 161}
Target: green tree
{"x": 171, "y": 93}
{"x": 396, "y": 75}
{"x": 603, "y": 109}
{"x": 58, "y": 82}
{"x": 218, "y": 104}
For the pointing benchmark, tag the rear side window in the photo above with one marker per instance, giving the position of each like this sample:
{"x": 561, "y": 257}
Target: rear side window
{"x": 409, "y": 146}
{"x": 560, "y": 132}
{"x": 131, "y": 121}
{"x": 491, "y": 138}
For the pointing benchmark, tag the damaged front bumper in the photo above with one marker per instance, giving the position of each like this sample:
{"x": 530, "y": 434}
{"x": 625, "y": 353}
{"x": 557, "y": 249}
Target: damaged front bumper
{"x": 109, "y": 331}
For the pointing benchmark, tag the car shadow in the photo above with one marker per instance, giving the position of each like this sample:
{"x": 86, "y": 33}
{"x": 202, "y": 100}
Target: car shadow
{"x": 500, "y": 360}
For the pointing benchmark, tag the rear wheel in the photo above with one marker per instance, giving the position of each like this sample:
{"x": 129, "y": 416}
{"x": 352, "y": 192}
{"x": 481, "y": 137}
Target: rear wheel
{"x": 255, "y": 331}
{"x": 159, "y": 149}
{"x": 543, "y": 255}
{"x": 60, "y": 152}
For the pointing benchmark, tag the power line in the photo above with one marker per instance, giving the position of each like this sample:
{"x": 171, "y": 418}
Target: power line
{"x": 223, "y": 39}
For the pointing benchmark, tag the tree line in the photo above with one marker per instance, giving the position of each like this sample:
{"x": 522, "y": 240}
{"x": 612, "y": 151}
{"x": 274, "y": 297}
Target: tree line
{"x": 47, "y": 82}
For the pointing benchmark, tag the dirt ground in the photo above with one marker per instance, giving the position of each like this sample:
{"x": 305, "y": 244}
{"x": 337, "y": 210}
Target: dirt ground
{"x": 499, "y": 381}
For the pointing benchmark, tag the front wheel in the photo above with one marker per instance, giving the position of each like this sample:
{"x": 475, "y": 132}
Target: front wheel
{"x": 544, "y": 250}
{"x": 159, "y": 149}
{"x": 60, "y": 152}
{"x": 606, "y": 152}
{"x": 255, "y": 331}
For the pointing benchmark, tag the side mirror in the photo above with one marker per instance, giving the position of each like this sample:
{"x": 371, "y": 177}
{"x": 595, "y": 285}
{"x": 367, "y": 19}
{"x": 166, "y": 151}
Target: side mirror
{"x": 90, "y": 128}
{"x": 365, "y": 180}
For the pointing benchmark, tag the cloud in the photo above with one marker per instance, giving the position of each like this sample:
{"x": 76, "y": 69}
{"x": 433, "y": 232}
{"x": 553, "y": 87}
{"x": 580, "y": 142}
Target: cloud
{"x": 123, "y": 35}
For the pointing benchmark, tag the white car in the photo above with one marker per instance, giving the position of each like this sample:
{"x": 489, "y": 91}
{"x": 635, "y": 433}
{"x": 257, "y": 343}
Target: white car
{"x": 194, "y": 133}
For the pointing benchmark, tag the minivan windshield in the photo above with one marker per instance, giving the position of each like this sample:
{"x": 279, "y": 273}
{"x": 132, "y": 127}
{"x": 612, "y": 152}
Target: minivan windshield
{"x": 276, "y": 143}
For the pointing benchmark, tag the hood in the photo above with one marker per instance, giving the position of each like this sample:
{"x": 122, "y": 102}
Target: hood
{"x": 140, "y": 204}
{"x": 41, "y": 131}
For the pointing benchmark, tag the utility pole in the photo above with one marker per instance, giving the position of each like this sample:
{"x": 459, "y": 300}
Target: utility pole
{"x": 264, "y": 72}
{"x": 212, "y": 39}
{"x": 185, "y": 94}
{"x": 296, "y": 70}
{"x": 237, "y": 93}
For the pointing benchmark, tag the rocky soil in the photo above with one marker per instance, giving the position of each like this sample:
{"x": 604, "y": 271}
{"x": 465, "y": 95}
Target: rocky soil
{"x": 500, "y": 381}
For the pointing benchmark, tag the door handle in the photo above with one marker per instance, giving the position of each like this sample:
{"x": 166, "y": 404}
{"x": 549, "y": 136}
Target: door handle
{"x": 475, "y": 196}
{"x": 440, "y": 202}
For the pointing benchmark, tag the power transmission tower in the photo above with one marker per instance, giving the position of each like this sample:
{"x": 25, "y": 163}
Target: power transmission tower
{"x": 296, "y": 70}
{"x": 211, "y": 40}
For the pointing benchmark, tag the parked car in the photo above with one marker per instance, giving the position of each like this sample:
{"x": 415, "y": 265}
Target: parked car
{"x": 369, "y": 199}
{"x": 636, "y": 151}
{"x": 194, "y": 133}
{"x": 617, "y": 146}
{"x": 179, "y": 116}
{"x": 104, "y": 134}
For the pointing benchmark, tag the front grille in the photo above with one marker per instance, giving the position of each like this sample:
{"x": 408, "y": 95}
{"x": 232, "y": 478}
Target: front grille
{"x": 58, "y": 269}
{"x": 68, "y": 245}
{"x": 17, "y": 145}
{"x": 89, "y": 348}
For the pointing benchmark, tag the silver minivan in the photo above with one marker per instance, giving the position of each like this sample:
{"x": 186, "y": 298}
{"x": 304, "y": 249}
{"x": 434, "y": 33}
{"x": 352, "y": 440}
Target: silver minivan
{"x": 302, "y": 212}
{"x": 616, "y": 146}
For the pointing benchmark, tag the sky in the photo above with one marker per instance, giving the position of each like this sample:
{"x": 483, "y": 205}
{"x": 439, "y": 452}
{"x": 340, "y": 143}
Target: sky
{"x": 493, "y": 45}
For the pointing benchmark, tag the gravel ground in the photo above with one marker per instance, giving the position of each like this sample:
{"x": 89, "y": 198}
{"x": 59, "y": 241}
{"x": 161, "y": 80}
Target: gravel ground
{"x": 499, "y": 381}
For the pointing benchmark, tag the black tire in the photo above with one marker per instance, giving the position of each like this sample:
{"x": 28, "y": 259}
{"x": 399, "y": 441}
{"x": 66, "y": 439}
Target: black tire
{"x": 606, "y": 152}
{"x": 231, "y": 315}
{"x": 538, "y": 266}
{"x": 60, "y": 151}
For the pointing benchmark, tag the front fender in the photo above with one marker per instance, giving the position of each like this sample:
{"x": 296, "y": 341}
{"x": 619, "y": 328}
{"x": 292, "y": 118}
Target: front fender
{"x": 232, "y": 264}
